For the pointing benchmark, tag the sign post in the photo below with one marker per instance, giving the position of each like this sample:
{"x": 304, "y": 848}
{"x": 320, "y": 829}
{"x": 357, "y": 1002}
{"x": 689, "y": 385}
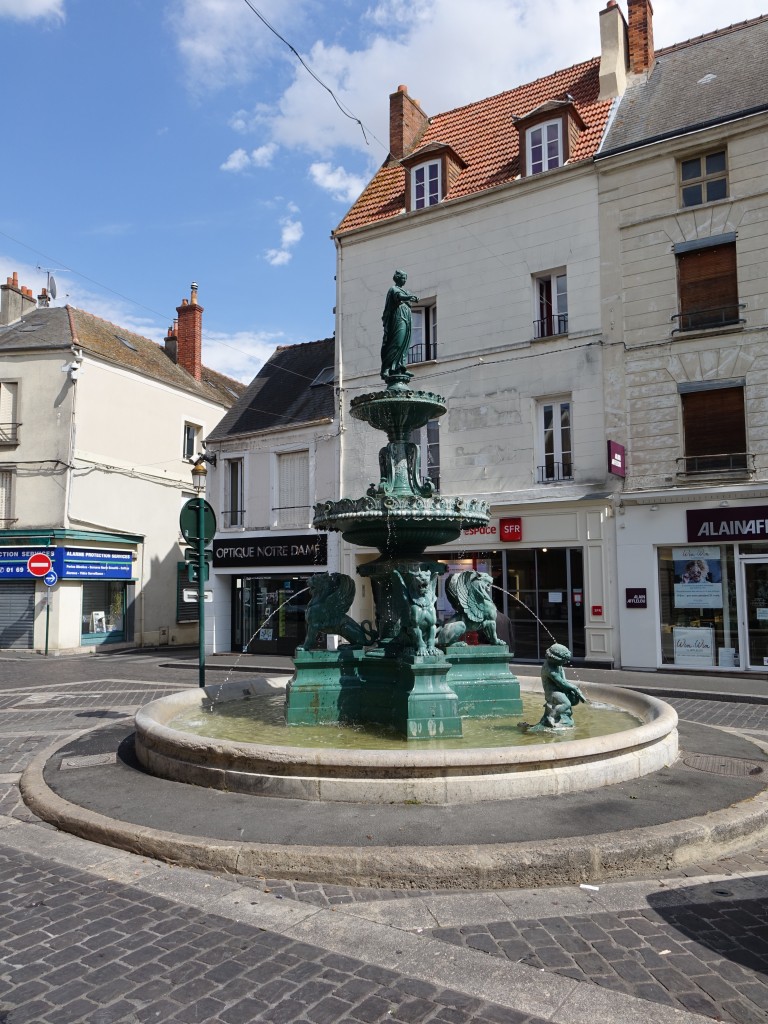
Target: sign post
{"x": 198, "y": 526}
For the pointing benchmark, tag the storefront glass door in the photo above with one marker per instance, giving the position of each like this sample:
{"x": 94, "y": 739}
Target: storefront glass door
{"x": 269, "y": 613}
{"x": 756, "y": 612}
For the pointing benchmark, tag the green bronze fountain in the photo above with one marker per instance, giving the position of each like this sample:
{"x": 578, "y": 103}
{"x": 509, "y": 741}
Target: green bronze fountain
{"x": 406, "y": 672}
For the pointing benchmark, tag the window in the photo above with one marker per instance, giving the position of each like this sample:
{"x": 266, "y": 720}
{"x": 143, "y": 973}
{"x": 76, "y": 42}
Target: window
{"x": 703, "y": 179}
{"x": 428, "y": 440}
{"x": 9, "y": 403}
{"x": 6, "y": 498}
{"x": 707, "y": 284}
{"x": 714, "y": 428}
{"x": 293, "y": 507}
{"x": 423, "y": 334}
{"x": 555, "y": 440}
{"x": 544, "y": 146}
{"x": 551, "y": 298}
{"x": 234, "y": 512}
{"x": 191, "y": 440}
{"x": 426, "y": 185}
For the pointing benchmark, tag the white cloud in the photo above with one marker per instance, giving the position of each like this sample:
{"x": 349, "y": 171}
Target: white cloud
{"x": 342, "y": 185}
{"x": 237, "y": 161}
{"x": 28, "y": 10}
{"x": 291, "y": 235}
{"x": 241, "y": 160}
{"x": 240, "y": 355}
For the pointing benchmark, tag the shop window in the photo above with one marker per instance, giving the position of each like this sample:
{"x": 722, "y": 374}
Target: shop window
{"x": 714, "y": 429}
{"x": 551, "y": 299}
{"x": 234, "y": 513}
{"x": 293, "y": 508}
{"x": 428, "y": 440}
{"x": 703, "y": 179}
{"x": 191, "y": 441}
{"x": 708, "y": 294}
{"x": 104, "y": 612}
{"x": 6, "y": 499}
{"x": 9, "y": 408}
{"x": 697, "y": 606}
{"x": 555, "y": 440}
{"x": 423, "y": 334}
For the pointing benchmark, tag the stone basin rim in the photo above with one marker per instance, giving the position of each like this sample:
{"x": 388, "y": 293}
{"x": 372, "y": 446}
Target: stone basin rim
{"x": 659, "y": 720}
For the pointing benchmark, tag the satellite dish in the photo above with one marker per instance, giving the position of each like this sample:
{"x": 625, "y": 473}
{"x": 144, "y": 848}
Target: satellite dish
{"x": 52, "y": 286}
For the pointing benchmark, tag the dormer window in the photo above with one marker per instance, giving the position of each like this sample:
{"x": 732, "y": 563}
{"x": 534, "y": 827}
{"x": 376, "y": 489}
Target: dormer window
{"x": 548, "y": 135}
{"x": 429, "y": 174}
{"x": 544, "y": 147}
{"x": 426, "y": 185}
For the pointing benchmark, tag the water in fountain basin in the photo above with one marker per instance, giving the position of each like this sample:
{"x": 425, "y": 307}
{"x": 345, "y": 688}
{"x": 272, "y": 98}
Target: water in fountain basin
{"x": 260, "y": 719}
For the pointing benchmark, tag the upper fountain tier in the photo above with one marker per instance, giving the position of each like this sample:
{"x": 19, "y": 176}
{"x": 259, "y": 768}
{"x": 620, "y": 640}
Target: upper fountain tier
{"x": 403, "y": 515}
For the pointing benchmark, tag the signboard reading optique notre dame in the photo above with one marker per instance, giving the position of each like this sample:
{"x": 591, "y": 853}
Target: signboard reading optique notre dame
{"x": 271, "y": 551}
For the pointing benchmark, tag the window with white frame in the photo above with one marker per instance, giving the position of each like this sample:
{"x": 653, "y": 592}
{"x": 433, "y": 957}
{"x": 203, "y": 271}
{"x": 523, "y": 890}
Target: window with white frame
{"x": 423, "y": 334}
{"x": 428, "y": 440}
{"x": 234, "y": 513}
{"x": 293, "y": 508}
{"x": 6, "y": 498}
{"x": 551, "y": 303}
{"x": 191, "y": 440}
{"x": 544, "y": 146}
{"x": 9, "y": 406}
{"x": 426, "y": 185}
{"x": 555, "y": 440}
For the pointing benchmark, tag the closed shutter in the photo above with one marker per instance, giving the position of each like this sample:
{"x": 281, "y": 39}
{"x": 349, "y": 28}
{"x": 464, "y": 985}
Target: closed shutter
{"x": 709, "y": 294}
{"x": 293, "y": 488}
{"x": 6, "y": 482}
{"x": 714, "y": 425}
{"x": 17, "y": 615}
{"x": 9, "y": 391}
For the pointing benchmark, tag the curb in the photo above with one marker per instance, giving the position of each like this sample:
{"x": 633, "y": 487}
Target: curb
{"x": 599, "y": 857}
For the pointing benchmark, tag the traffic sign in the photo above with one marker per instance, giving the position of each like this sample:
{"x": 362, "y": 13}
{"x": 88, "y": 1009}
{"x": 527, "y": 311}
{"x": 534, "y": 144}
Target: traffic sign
{"x": 51, "y": 579}
{"x": 189, "y": 518}
{"x": 190, "y": 595}
{"x": 39, "y": 564}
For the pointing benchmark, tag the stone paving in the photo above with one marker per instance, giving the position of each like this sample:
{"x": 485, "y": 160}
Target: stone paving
{"x": 76, "y": 946}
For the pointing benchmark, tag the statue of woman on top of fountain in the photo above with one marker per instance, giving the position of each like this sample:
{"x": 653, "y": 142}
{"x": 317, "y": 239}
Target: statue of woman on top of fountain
{"x": 396, "y": 319}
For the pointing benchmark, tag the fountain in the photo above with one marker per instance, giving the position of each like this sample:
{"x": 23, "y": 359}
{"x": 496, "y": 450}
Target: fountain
{"x": 408, "y": 675}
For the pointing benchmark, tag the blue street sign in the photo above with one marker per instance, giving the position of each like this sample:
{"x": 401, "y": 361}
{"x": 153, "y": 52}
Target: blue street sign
{"x": 51, "y": 579}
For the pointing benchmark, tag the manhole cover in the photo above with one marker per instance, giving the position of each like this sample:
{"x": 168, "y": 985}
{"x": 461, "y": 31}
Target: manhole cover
{"x": 734, "y": 766}
{"x": 88, "y": 760}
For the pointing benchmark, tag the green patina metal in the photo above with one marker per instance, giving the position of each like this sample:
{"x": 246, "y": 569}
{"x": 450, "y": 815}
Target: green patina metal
{"x": 419, "y": 680}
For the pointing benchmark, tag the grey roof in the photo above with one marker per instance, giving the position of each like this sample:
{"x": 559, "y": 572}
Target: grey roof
{"x": 59, "y": 327}
{"x": 284, "y": 392}
{"x": 704, "y": 81}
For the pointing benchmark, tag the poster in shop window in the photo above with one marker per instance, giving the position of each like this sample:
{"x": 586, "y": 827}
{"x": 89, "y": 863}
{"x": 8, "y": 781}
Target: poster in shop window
{"x": 698, "y": 577}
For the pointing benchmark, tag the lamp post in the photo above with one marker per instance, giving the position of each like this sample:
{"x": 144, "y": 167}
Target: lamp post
{"x": 199, "y": 473}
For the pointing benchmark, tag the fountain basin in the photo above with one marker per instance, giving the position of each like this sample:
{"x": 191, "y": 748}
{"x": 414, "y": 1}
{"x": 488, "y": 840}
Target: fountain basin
{"x": 415, "y": 776}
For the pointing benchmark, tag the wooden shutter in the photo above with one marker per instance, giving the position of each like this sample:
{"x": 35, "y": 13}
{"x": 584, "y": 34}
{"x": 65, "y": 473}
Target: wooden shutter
{"x": 714, "y": 425}
{"x": 708, "y": 287}
{"x": 293, "y": 473}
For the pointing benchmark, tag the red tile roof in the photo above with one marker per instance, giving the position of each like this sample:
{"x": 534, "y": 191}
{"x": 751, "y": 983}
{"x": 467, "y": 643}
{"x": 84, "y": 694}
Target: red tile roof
{"x": 484, "y": 136}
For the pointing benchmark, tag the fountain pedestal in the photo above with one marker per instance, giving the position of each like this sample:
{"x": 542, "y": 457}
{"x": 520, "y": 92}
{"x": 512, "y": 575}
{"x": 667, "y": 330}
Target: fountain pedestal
{"x": 409, "y": 693}
{"x": 483, "y": 681}
{"x": 325, "y": 687}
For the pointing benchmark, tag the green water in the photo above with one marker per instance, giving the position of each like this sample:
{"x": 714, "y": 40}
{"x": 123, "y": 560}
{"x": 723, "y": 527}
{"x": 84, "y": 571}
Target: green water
{"x": 259, "y": 719}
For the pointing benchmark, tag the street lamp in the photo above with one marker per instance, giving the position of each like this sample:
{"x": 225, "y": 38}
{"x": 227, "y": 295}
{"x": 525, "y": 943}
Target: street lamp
{"x": 199, "y": 473}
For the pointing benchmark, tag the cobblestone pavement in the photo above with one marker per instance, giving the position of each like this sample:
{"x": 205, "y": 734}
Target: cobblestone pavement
{"x": 93, "y": 936}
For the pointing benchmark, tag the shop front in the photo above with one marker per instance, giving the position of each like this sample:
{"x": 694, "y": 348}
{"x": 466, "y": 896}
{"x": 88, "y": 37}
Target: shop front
{"x": 694, "y": 583}
{"x": 265, "y": 583}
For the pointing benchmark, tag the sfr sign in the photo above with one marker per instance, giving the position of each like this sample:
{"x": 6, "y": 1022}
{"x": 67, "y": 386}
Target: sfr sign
{"x": 511, "y": 529}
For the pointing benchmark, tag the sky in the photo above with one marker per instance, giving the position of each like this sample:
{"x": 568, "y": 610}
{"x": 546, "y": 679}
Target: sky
{"x": 152, "y": 143}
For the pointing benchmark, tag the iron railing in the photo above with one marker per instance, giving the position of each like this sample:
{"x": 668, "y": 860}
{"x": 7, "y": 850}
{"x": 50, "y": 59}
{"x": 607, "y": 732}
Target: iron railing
{"x": 553, "y": 472}
{"x": 550, "y": 326}
{"x": 727, "y": 462}
{"x": 421, "y": 352}
{"x": 9, "y": 433}
{"x": 701, "y": 319}
{"x": 233, "y": 516}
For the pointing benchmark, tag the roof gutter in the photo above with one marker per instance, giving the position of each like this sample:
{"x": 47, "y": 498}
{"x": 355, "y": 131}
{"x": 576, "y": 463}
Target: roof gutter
{"x": 689, "y": 130}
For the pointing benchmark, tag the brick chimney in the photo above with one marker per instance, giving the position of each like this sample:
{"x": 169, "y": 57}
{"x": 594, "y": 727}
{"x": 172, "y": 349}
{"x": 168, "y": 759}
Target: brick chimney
{"x": 15, "y": 301}
{"x": 641, "y": 52}
{"x": 407, "y": 122}
{"x": 614, "y": 52}
{"x": 189, "y": 335}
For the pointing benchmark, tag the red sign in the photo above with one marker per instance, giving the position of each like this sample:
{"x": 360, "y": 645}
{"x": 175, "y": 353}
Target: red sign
{"x": 511, "y": 529}
{"x": 617, "y": 459}
{"x": 39, "y": 564}
{"x": 597, "y": 611}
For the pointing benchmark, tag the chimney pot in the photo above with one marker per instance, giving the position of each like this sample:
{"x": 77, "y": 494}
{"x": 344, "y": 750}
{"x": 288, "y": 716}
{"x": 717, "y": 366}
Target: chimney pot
{"x": 407, "y": 122}
{"x": 189, "y": 334}
{"x": 642, "y": 55}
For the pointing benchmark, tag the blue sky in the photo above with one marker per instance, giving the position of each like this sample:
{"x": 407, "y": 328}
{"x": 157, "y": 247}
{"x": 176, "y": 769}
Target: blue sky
{"x": 150, "y": 143}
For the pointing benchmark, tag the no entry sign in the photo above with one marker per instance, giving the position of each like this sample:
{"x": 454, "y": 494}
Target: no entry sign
{"x": 39, "y": 564}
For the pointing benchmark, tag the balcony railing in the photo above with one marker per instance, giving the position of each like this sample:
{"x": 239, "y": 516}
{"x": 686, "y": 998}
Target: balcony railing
{"x": 9, "y": 433}
{"x": 419, "y": 352}
{"x": 554, "y": 472}
{"x": 293, "y": 515}
{"x": 233, "y": 517}
{"x": 551, "y": 326}
{"x": 701, "y": 319}
{"x": 728, "y": 462}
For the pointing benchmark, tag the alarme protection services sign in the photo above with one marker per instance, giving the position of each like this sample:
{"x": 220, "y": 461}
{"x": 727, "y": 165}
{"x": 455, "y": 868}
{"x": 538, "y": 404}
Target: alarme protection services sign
{"x": 93, "y": 564}
{"x": 13, "y": 562}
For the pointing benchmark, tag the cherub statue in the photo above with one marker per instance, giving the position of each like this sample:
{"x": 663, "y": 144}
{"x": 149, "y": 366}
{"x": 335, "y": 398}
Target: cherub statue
{"x": 560, "y": 695}
{"x": 470, "y": 594}
{"x": 415, "y": 601}
{"x": 332, "y": 594}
